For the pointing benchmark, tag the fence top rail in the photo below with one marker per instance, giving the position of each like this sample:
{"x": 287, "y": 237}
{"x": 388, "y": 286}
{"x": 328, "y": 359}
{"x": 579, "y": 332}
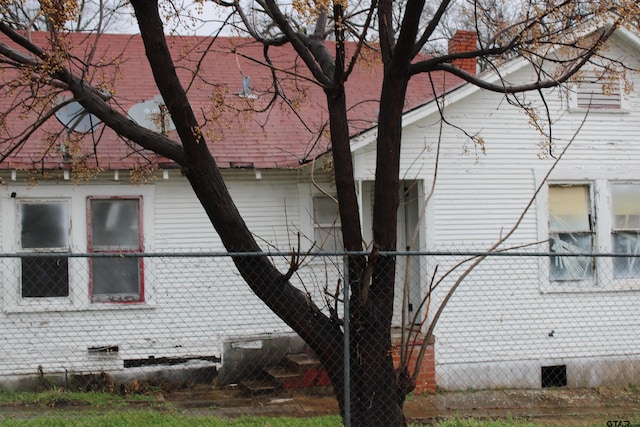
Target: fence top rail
{"x": 471, "y": 254}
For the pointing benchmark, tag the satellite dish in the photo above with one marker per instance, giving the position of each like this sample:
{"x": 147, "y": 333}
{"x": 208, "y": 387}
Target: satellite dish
{"x": 75, "y": 118}
{"x": 153, "y": 115}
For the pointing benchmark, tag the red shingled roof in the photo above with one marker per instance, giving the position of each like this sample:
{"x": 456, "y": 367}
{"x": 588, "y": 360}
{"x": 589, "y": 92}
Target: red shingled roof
{"x": 284, "y": 136}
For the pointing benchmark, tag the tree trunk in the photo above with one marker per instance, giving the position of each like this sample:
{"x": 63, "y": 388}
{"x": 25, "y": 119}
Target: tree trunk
{"x": 375, "y": 397}
{"x": 321, "y": 333}
{"x": 375, "y": 400}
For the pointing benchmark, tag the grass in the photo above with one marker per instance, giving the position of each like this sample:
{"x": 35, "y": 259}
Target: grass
{"x": 60, "y": 407}
{"x": 154, "y": 418}
{"x": 66, "y": 408}
{"x": 60, "y": 397}
{"x": 150, "y": 417}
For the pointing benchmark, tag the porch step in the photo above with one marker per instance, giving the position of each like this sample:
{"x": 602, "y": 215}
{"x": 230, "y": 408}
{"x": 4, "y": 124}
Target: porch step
{"x": 258, "y": 386}
{"x": 281, "y": 374}
{"x": 302, "y": 362}
{"x": 296, "y": 371}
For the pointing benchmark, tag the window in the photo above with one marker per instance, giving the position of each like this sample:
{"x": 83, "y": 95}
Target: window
{"x": 570, "y": 231}
{"x": 625, "y": 229}
{"x": 598, "y": 91}
{"x": 326, "y": 220}
{"x": 601, "y": 215}
{"x": 114, "y": 228}
{"x": 44, "y": 227}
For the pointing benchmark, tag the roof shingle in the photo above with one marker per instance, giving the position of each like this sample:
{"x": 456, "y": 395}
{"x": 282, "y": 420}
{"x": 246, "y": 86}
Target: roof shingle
{"x": 284, "y": 136}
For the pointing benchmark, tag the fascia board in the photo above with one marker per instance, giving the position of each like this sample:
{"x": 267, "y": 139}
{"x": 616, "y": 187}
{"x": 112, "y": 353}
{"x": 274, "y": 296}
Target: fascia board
{"x": 455, "y": 95}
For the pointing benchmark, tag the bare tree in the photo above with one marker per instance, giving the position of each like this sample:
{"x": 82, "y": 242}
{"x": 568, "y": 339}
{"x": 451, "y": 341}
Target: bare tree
{"x": 87, "y": 15}
{"x": 543, "y": 32}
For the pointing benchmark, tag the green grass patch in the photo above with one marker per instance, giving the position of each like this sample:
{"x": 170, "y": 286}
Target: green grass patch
{"x": 148, "y": 417}
{"x": 61, "y": 397}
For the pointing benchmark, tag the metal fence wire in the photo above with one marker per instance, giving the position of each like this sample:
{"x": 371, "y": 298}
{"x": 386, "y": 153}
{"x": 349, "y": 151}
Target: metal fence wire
{"x": 187, "y": 320}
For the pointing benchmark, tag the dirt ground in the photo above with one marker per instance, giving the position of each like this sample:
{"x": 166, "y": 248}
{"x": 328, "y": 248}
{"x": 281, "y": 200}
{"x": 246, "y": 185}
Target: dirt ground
{"x": 562, "y": 406}
{"x": 553, "y": 407}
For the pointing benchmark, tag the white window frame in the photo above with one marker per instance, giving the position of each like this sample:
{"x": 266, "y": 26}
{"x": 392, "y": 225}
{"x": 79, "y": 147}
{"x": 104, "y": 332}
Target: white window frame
{"x": 306, "y": 194}
{"x": 590, "y": 232}
{"x": 17, "y": 269}
{"x": 600, "y": 182}
{"x": 622, "y": 283}
{"x": 79, "y": 294}
{"x": 333, "y": 227}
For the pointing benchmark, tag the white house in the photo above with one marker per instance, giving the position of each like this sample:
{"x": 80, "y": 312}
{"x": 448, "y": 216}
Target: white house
{"x": 506, "y": 322}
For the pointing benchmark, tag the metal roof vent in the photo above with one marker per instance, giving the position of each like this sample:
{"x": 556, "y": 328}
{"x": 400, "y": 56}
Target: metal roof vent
{"x": 246, "y": 89}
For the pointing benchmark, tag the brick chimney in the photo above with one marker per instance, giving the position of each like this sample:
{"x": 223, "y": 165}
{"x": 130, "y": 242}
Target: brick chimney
{"x": 464, "y": 41}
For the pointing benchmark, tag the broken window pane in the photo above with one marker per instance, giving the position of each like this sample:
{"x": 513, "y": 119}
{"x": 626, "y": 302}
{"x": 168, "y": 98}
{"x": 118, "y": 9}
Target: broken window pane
{"x": 571, "y": 267}
{"x": 625, "y": 206}
{"x": 626, "y": 243}
{"x": 570, "y": 232}
{"x": 44, "y": 225}
{"x": 114, "y": 225}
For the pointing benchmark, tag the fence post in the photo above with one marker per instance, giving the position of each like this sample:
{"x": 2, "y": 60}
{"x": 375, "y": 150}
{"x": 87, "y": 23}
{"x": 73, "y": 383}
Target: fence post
{"x": 347, "y": 347}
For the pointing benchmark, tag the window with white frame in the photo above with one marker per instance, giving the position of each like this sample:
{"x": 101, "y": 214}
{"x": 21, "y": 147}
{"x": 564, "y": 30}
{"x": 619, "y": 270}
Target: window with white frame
{"x": 44, "y": 228}
{"x": 570, "y": 232}
{"x": 326, "y": 224}
{"x": 625, "y": 229}
{"x": 114, "y": 230}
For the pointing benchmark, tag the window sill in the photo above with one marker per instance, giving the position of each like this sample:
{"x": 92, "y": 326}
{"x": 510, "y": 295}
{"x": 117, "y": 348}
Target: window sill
{"x": 67, "y": 306}
{"x": 40, "y": 305}
{"x": 570, "y": 288}
{"x": 618, "y": 285}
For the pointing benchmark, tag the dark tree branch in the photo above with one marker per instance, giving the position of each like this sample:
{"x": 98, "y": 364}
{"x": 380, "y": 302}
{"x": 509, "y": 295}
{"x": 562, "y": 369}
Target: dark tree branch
{"x": 584, "y": 58}
{"x": 434, "y": 22}
{"x": 298, "y": 43}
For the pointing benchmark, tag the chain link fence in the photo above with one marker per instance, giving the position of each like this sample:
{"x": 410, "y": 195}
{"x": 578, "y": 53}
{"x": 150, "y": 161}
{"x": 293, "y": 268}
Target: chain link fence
{"x": 509, "y": 320}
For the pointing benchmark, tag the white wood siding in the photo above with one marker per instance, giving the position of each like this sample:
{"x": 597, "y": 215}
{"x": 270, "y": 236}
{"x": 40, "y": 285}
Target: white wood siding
{"x": 495, "y": 330}
{"x": 499, "y": 320}
{"x": 192, "y": 304}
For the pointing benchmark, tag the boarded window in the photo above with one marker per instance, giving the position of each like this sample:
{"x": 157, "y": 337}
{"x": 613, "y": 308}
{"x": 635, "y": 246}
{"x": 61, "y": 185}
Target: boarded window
{"x": 625, "y": 206}
{"x": 115, "y": 231}
{"x": 326, "y": 219}
{"x": 570, "y": 231}
{"x": 595, "y": 91}
{"x": 44, "y": 228}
